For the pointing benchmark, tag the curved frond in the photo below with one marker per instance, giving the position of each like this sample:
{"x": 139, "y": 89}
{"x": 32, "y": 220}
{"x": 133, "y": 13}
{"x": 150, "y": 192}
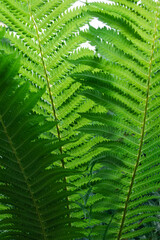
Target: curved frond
{"x": 125, "y": 81}
{"x": 33, "y": 193}
{"x": 45, "y": 33}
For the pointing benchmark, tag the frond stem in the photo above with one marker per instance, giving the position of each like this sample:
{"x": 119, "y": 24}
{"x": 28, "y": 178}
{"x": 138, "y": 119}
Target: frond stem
{"x": 47, "y": 79}
{"x": 142, "y": 133}
{"x": 25, "y": 178}
{"x": 50, "y": 93}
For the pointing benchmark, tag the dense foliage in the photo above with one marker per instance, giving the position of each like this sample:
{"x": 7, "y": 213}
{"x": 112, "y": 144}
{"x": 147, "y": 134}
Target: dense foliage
{"x": 79, "y": 131}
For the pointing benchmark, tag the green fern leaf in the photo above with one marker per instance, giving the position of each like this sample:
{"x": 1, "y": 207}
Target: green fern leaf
{"x": 44, "y": 33}
{"x": 33, "y": 193}
{"x": 125, "y": 81}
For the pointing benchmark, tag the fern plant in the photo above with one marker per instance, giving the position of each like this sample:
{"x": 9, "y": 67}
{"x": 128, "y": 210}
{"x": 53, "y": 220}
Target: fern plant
{"x": 44, "y": 32}
{"x": 115, "y": 122}
{"x": 125, "y": 81}
{"x": 33, "y": 193}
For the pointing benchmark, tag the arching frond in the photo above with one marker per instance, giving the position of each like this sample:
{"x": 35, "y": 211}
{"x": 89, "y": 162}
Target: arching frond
{"x": 44, "y": 33}
{"x": 125, "y": 81}
{"x": 33, "y": 196}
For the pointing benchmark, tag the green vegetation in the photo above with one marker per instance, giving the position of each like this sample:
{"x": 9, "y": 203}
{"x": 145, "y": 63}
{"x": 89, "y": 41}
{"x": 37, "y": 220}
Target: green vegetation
{"x": 79, "y": 131}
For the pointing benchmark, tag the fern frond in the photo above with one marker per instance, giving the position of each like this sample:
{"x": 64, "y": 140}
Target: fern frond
{"x": 33, "y": 193}
{"x": 51, "y": 34}
{"x": 125, "y": 81}
{"x": 44, "y": 33}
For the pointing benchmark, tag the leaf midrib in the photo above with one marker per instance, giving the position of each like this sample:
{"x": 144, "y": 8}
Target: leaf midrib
{"x": 50, "y": 96}
{"x": 47, "y": 79}
{"x": 142, "y": 133}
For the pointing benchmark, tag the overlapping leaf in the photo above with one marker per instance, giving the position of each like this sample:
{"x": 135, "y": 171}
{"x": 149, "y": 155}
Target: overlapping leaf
{"x": 33, "y": 192}
{"x": 125, "y": 81}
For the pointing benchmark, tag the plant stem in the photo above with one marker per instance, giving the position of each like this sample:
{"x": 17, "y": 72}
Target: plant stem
{"x": 51, "y": 98}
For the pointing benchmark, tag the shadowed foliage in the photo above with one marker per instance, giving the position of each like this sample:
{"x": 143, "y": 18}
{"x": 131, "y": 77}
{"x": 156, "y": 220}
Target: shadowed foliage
{"x": 125, "y": 81}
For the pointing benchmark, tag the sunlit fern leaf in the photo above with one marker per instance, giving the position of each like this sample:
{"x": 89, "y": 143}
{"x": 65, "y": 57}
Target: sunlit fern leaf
{"x": 33, "y": 194}
{"x": 44, "y": 32}
{"x": 126, "y": 82}
{"x": 54, "y": 37}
